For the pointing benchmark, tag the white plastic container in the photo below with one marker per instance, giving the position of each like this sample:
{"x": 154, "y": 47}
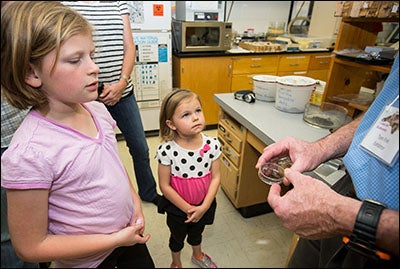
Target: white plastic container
{"x": 264, "y": 87}
{"x": 293, "y": 93}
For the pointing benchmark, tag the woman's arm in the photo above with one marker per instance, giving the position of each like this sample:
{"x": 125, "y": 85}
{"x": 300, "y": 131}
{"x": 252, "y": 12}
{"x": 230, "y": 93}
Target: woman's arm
{"x": 129, "y": 49}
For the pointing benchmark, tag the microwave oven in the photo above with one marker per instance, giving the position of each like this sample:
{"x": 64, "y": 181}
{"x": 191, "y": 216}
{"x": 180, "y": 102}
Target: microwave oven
{"x": 201, "y": 36}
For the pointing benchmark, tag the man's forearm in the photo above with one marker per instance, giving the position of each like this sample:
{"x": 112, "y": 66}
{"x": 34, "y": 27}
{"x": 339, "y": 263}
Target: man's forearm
{"x": 336, "y": 144}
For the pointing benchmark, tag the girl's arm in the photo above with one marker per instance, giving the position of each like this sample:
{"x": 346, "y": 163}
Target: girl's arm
{"x": 28, "y": 224}
{"x": 138, "y": 218}
{"x": 164, "y": 172}
{"x": 214, "y": 185}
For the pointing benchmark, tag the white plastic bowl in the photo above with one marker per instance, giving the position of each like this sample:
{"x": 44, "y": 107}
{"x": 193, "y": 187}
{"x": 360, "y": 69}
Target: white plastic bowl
{"x": 264, "y": 87}
{"x": 293, "y": 93}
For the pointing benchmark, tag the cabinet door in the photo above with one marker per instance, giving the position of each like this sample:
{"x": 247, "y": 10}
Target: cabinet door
{"x": 318, "y": 74}
{"x": 229, "y": 178}
{"x": 242, "y": 82}
{"x": 205, "y": 76}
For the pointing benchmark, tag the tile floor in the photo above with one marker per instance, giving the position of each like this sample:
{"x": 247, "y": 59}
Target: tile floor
{"x": 232, "y": 241}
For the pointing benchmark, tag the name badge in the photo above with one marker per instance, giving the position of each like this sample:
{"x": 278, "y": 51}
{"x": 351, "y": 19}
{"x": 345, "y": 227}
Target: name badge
{"x": 382, "y": 140}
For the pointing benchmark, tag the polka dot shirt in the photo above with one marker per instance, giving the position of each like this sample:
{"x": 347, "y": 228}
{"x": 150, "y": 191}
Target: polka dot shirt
{"x": 187, "y": 163}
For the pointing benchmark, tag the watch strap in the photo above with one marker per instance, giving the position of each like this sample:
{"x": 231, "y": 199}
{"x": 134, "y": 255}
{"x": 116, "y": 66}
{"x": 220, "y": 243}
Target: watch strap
{"x": 367, "y": 222}
{"x": 363, "y": 238}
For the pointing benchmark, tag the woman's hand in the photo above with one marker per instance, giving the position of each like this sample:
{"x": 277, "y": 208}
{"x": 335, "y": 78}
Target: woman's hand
{"x": 112, "y": 93}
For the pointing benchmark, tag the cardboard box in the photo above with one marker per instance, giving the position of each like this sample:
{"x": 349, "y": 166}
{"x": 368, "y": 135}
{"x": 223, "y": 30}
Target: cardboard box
{"x": 373, "y": 9}
{"x": 339, "y": 8}
{"x": 347, "y": 5}
{"x": 365, "y": 8}
{"x": 355, "y": 9}
{"x": 385, "y": 9}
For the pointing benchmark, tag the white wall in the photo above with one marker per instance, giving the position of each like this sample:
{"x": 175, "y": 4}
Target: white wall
{"x": 257, "y": 14}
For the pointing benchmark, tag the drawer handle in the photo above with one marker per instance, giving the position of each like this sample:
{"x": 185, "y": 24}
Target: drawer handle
{"x": 227, "y": 152}
{"x": 255, "y": 66}
{"x": 294, "y": 64}
{"x": 227, "y": 138}
{"x": 323, "y": 62}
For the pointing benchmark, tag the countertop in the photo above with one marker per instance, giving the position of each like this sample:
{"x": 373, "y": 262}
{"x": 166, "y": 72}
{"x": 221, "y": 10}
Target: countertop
{"x": 266, "y": 122}
{"x": 241, "y": 52}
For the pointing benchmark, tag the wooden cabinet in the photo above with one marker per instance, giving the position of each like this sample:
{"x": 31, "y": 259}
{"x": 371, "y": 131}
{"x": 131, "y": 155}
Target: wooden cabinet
{"x": 245, "y": 67}
{"x": 296, "y": 64}
{"x": 318, "y": 68}
{"x": 347, "y": 77}
{"x": 239, "y": 179}
{"x": 231, "y": 136}
{"x": 223, "y": 74}
{"x": 204, "y": 76}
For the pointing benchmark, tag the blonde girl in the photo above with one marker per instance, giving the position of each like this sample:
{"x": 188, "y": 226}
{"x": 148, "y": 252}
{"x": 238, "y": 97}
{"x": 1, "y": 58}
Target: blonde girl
{"x": 70, "y": 200}
{"x": 188, "y": 174}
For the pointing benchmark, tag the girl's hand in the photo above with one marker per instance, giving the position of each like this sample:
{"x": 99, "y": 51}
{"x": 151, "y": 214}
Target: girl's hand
{"x": 195, "y": 213}
{"x": 131, "y": 235}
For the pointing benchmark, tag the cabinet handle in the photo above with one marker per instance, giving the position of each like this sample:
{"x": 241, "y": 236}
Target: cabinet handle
{"x": 293, "y": 64}
{"x": 323, "y": 62}
{"x": 255, "y": 66}
{"x": 183, "y": 69}
{"x": 226, "y": 151}
{"x": 227, "y": 139}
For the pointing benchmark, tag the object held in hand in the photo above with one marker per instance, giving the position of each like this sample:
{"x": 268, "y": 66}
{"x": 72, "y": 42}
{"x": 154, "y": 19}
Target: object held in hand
{"x": 100, "y": 88}
{"x": 273, "y": 171}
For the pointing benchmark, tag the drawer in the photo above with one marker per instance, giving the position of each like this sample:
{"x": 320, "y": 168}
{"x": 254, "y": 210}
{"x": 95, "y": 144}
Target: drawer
{"x": 318, "y": 62}
{"x": 294, "y": 63}
{"x": 245, "y": 82}
{"x": 229, "y": 137}
{"x": 232, "y": 124}
{"x": 242, "y": 82}
{"x": 229, "y": 177}
{"x": 229, "y": 152}
{"x": 255, "y": 65}
{"x": 293, "y": 73}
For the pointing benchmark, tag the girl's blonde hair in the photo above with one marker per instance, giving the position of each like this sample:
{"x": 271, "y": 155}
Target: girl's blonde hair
{"x": 167, "y": 110}
{"x": 29, "y": 31}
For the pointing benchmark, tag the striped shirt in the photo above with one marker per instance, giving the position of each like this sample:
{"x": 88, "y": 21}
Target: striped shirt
{"x": 108, "y": 36}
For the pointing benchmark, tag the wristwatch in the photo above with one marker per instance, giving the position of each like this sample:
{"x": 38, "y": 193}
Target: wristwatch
{"x": 363, "y": 239}
{"x": 125, "y": 78}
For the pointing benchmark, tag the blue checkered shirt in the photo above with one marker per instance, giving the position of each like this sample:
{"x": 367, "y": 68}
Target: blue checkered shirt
{"x": 372, "y": 178}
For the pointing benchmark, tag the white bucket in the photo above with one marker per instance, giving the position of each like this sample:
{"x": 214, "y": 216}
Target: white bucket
{"x": 264, "y": 87}
{"x": 293, "y": 93}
